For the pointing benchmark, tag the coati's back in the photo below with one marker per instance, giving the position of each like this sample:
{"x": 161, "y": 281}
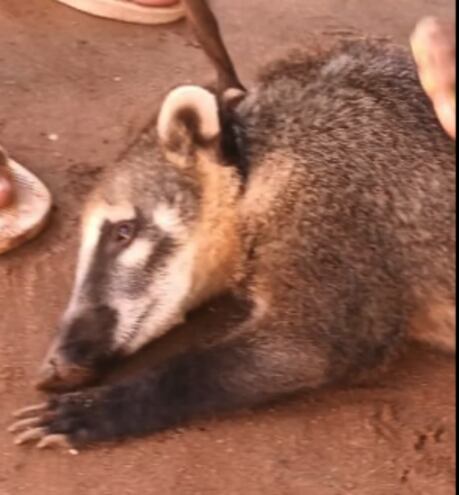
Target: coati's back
{"x": 353, "y": 186}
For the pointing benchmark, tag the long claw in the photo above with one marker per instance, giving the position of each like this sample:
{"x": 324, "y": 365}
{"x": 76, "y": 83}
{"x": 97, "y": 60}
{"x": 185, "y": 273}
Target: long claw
{"x": 55, "y": 440}
{"x": 24, "y": 424}
{"x": 30, "y": 435}
{"x": 26, "y": 412}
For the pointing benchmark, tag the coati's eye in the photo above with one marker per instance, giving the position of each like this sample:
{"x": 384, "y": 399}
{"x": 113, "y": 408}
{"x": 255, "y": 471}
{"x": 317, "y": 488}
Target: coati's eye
{"x": 123, "y": 233}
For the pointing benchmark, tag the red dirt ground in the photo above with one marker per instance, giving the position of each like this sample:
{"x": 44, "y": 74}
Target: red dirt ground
{"x": 95, "y": 83}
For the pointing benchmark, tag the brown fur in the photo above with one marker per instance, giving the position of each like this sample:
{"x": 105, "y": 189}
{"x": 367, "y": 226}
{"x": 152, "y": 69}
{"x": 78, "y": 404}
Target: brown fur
{"x": 217, "y": 234}
{"x": 326, "y": 202}
{"x": 348, "y": 206}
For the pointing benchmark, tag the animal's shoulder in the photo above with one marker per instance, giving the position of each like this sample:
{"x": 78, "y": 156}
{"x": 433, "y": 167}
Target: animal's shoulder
{"x": 361, "y": 91}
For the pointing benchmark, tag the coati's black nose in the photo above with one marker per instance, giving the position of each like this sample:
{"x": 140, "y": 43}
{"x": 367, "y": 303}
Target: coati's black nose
{"x": 80, "y": 348}
{"x": 57, "y": 374}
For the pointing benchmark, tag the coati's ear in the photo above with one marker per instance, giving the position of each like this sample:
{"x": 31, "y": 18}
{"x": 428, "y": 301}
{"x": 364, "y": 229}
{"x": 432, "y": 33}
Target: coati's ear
{"x": 188, "y": 121}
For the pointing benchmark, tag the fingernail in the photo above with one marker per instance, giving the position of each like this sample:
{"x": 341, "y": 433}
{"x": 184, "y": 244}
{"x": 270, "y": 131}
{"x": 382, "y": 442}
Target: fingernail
{"x": 446, "y": 112}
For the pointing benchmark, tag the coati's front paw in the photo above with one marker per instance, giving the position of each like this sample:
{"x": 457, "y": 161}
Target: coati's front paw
{"x": 67, "y": 421}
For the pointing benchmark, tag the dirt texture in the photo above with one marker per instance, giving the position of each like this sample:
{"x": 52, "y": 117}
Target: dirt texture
{"x": 74, "y": 92}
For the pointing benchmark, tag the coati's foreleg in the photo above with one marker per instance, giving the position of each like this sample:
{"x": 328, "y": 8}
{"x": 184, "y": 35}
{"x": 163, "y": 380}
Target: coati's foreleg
{"x": 246, "y": 370}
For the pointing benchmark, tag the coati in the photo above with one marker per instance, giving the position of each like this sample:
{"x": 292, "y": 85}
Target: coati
{"x": 324, "y": 197}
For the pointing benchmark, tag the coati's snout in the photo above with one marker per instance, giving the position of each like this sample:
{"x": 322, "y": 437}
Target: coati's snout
{"x": 80, "y": 349}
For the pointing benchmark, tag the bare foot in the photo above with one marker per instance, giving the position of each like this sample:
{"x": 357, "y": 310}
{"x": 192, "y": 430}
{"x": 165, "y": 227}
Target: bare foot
{"x": 6, "y": 188}
{"x": 156, "y": 3}
{"x": 434, "y": 49}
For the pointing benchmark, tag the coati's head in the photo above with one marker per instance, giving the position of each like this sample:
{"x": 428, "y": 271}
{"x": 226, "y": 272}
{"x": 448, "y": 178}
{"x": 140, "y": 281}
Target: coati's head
{"x": 158, "y": 238}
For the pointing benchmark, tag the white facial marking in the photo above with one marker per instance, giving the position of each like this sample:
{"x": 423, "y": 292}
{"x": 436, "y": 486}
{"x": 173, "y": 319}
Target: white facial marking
{"x": 118, "y": 213}
{"x": 166, "y": 219}
{"x": 200, "y": 100}
{"x": 171, "y": 292}
{"x": 91, "y": 232}
{"x": 168, "y": 298}
{"x": 136, "y": 254}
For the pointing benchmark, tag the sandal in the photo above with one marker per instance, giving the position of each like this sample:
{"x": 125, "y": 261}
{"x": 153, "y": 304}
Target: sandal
{"x": 27, "y": 215}
{"x": 123, "y": 10}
